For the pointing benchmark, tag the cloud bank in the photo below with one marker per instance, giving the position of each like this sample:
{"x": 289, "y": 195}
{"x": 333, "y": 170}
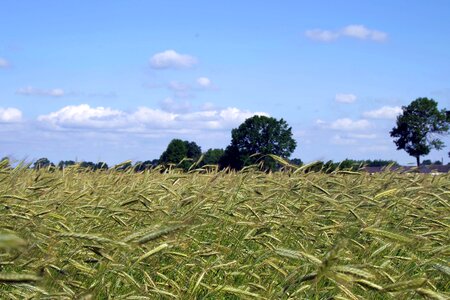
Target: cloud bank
{"x": 143, "y": 119}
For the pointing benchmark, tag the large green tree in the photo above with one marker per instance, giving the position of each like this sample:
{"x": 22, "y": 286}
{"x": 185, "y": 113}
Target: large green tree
{"x": 177, "y": 150}
{"x": 42, "y": 163}
{"x": 212, "y": 157}
{"x": 259, "y": 135}
{"x": 419, "y": 126}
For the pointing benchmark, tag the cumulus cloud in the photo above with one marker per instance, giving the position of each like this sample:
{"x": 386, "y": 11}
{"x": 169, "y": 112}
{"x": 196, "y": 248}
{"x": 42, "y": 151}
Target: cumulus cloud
{"x": 170, "y": 59}
{"x": 363, "y": 33}
{"x": 84, "y": 116}
{"x": 351, "y": 31}
{"x": 345, "y": 98}
{"x": 4, "y": 63}
{"x": 144, "y": 119}
{"x": 31, "y": 91}
{"x": 349, "y": 124}
{"x": 385, "y": 112}
{"x": 204, "y": 82}
{"x": 10, "y": 115}
{"x": 344, "y": 124}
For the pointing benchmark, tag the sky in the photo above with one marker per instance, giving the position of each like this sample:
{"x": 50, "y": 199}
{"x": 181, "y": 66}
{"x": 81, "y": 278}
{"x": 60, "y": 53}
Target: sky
{"x": 114, "y": 80}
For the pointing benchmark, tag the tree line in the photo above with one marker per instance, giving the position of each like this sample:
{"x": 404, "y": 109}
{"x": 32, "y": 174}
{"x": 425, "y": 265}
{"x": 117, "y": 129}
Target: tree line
{"x": 258, "y": 138}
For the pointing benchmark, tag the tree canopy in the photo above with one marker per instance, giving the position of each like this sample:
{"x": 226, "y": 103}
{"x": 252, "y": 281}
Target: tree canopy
{"x": 42, "y": 163}
{"x": 259, "y": 135}
{"x": 212, "y": 157}
{"x": 177, "y": 151}
{"x": 418, "y": 126}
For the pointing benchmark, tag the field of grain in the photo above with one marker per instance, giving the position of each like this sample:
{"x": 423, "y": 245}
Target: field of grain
{"x": 74, "y": 234}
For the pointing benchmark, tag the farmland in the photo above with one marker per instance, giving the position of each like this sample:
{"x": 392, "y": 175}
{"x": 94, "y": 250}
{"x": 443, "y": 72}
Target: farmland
{"x": 75, "y": 234}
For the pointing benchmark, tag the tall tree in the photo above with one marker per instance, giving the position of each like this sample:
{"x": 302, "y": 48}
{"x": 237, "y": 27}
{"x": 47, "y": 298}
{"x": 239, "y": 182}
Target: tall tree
{"x": 418, "y": 126}
{"x": 42, "y": 163}
{"x": 212, "y": 157}
{"x": 262, "y": 135}
{"x": 178, "y": 150}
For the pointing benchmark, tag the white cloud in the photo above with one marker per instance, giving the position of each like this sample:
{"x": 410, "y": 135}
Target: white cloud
{"x": 144, "y": 119}
{"x": 363, "y": 136}
{"x": 321, "y": 35}
{"x": 31, "y": 91}
{"x": 385, "y": 112}
{"x": 345, "y": 98}
{"x": 10, "y": 115}
{"x": 84, "y": 116}
{"x": 170, "y": 59}
{"x": 348, "y": 124}
{"x": 352, "y": 31}
{"x": 363, "y": 33}
{"x": 4, "y": 63}
{"x": 204, "y": 82}
{"x": 151, "y": 117}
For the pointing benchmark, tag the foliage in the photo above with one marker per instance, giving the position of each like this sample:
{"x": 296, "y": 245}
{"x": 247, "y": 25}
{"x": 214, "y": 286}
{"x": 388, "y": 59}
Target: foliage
{"x": 259, "y": 135}
{"x": 417, "y": 127}
{"x": 179, "y": 151}
{"x": 223, "y": 235}
{"x": 141, "y": 166}
{"x": 428, "y": 162}
{"x": 212, "y": 157}
{"x": 296, "y": 162}
{"x": 380, "y": 163}
{"x": 42, "y": 163}
{"x": 65, "y": 163}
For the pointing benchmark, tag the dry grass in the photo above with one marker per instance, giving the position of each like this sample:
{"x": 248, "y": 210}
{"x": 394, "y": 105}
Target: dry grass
{"x": 122, "y": 235}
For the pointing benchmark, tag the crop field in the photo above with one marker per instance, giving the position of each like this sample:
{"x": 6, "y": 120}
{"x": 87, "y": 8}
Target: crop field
{"x": 75, "y": 234}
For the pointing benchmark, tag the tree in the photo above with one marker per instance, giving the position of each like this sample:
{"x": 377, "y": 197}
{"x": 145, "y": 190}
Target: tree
{"x": 87, "y": 165}
{"x": 65, "y": 163}
{"x": 177, "y": 151}
{"x": 417, "y": 127}
{"x": 212, "y": 157}
{"x": 427, "y": 162}
{"x": 101, "y": 166}
{"x": 262, "y": 135}
{"x": 296, "y": 161}
{"x": 42, "y": 163}
{"x": 141, "y": 166}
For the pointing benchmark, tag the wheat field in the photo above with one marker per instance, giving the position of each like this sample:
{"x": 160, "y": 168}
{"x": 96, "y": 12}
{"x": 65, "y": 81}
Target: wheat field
{"x": 205, "y": 234}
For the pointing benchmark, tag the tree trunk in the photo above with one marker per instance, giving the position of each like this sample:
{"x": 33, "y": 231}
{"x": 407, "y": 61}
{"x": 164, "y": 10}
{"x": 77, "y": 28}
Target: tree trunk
{"x": 418, "y": 160}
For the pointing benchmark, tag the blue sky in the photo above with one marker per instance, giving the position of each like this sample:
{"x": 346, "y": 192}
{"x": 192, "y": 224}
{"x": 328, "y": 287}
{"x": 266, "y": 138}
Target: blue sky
{"x": 115, "y": 80}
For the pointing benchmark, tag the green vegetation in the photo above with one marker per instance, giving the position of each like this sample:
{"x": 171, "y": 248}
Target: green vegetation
{"x": 418, "y": 126}
{"x": 181, "y": 153}
{"x": 255, "y": 139}
{"x": 81, "y": 234}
